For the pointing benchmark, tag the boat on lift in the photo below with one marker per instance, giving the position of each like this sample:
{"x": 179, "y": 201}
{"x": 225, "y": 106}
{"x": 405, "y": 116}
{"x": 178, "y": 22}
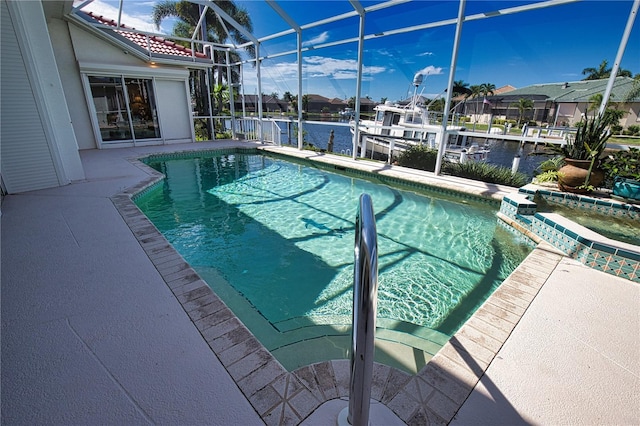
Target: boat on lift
{"x": 347, "y": 113}
{"x": 395, "y": 128}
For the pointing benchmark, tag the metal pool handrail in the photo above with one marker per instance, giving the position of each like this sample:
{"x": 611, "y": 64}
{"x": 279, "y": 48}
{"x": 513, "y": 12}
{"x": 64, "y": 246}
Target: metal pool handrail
{"x": 365, "y": 300}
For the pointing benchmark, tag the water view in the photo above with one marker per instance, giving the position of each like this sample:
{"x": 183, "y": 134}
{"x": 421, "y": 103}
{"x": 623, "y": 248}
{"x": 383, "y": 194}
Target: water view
{"x": 502, "y": 151}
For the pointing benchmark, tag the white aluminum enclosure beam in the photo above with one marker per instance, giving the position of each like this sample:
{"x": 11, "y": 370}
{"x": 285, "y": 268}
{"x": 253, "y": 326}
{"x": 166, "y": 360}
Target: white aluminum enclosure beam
{"x": 232, "y": 100}
{"x": 616, "y": 65}
{"x": 295, "y": 27}
{"x": 227, "y": 18}
{"x": 276, "y": 7}
{"x": 403, "y": 30}
{"x": 119, "y": 13}
{"x": 356, "y": 133}
{"x": 194, "y": 36}
{"x": 442, "y": 136}
{"x": 300, "y": 125}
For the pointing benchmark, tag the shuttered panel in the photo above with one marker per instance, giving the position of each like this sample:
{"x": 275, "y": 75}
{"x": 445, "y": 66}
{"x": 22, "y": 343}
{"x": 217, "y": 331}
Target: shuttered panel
{"x": 173, "y": 111}
{"x": 26, "y": 159}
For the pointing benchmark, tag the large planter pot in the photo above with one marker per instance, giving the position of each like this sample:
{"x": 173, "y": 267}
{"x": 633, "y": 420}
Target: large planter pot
{"x": 574, "y": 173}
{"x": 626, "y": 188}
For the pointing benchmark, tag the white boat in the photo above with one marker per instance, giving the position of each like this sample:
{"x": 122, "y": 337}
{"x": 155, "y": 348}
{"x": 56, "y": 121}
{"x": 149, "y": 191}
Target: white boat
{"x": 396, "y": 128}
{"x": 347, "y": 113}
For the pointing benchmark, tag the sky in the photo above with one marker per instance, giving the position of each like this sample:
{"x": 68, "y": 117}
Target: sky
{"x": 549, "y": 45}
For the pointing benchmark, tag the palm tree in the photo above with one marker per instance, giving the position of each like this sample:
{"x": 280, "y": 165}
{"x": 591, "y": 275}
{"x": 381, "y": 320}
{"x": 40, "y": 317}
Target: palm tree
{"x": 487, "y": 90}
{"x": 461, "y": 88}
{"x": 603, "y": 72}
{"x": 594, "y": 102}
{"x": 476, "y": 91}
{"x": 523, "y": 105}
{"x": 597, "y": 73}
{"x": 305, "y": 103}
{"x": 188, "y": 15}
{"x": 635, "y": 89}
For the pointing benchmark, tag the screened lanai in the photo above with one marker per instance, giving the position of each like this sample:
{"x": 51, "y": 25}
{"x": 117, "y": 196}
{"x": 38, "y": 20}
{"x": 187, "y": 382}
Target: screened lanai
{"x": 291, "y": 54}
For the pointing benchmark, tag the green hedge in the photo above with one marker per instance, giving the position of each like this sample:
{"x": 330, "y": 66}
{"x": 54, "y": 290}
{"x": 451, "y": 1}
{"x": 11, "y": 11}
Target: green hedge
{"x": 424, "y": 158}
{"x": 485, "y": 172}
{"x": 419, "y": 157}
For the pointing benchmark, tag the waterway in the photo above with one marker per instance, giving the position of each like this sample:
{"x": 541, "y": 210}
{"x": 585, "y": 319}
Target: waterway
{"x": 502, "y": 151}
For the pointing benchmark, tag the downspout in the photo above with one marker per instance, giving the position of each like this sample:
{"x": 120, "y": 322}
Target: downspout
{"x": 454, "y": 59}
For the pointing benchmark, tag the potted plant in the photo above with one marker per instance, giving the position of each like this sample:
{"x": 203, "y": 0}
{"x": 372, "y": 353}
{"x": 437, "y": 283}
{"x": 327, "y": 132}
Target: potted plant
{"x": 623, "y": 168}
{"x": 547, "y": 173}
{"x": 581, "y": 172}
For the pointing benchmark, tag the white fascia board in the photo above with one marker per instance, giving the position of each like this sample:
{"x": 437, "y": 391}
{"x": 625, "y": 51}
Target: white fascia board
{"x": 133, "y": 71}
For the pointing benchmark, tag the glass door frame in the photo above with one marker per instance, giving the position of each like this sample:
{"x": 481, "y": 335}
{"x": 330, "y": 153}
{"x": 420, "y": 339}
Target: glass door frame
{"x": 132, "y": 141}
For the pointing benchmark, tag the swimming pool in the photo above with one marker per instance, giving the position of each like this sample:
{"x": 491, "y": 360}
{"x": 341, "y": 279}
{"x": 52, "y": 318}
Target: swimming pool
{"x": 274, "y": 239}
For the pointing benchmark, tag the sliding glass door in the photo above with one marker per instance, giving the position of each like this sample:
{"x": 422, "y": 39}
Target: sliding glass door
{"x": 125, "y": 108}
{"x": 144, "y": 117}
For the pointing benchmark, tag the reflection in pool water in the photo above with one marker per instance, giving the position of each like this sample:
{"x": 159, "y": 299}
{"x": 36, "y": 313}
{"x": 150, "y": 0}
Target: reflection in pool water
{"x": 281, "y": 234}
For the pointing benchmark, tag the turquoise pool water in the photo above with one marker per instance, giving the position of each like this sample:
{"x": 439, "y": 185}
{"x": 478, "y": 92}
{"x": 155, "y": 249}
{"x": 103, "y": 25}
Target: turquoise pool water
{"x": 282, "y": 235}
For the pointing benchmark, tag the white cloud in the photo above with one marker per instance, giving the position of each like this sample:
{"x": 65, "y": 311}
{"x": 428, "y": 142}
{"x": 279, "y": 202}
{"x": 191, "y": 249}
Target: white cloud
{"x": 338, "y": 68}
{"x": 426, "y": 54}
{"x": 140, "y": 19}
{"x": 282, "y": 76}
{"x": 430, "y": 70}
{"x": 321, "y": 38}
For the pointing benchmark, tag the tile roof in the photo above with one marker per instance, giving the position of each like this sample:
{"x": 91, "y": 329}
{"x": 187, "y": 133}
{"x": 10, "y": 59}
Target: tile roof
{"x": 576, "y": 91}
{"x": 154, "y": 44}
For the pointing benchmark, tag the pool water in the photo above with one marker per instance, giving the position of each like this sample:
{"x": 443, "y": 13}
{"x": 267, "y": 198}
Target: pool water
{"x": 282, "y": 235}
{"x": 620, "y": 228}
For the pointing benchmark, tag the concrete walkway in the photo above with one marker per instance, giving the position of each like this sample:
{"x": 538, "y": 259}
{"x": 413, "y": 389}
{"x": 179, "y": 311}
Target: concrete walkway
{"x": 574, "y": 357}
{"x": 92, "y": 334}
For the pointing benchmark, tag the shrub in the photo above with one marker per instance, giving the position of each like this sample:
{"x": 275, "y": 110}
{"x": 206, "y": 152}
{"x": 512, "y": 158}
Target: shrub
{"x": 551, "y": 164}
{"x": 622, "y": 163}
{"x": 485, "y": 172}
{"x": 633, "y": 130}
{"x": 419, "y": 157}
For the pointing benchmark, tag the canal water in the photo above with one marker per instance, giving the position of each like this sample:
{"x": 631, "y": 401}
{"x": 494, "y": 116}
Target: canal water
{"x": 502, "y": 152}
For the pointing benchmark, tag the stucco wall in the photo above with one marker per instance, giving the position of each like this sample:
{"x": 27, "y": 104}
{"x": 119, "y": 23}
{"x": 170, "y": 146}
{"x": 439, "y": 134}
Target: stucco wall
{"x": 70, "y": 77}
{"x": 95, "y": 56}
{"x": 89, "y": 48}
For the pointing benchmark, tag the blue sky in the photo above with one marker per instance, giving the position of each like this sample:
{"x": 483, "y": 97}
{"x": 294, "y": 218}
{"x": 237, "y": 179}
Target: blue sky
{"x": 549, "y": 45}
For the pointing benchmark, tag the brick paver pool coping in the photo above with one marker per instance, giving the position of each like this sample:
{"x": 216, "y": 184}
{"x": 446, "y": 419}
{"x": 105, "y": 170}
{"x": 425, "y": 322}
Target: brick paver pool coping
{"x": 432, "y": 396}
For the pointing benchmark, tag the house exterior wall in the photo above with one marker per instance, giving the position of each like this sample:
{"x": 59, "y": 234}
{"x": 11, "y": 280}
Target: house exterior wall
{"x": 98, "y": 57}
{"x": 88, "y": 48}
{"x": 39, "y": 147}
{"x": 71, "y": 82}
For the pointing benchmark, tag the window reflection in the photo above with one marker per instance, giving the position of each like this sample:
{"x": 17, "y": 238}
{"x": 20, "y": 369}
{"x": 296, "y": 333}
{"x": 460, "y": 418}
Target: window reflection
{"x": 143, "y": 108}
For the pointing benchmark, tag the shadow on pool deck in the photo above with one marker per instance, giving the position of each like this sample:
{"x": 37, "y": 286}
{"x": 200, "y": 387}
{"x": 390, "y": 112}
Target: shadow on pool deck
{"x": 94, "y": 331}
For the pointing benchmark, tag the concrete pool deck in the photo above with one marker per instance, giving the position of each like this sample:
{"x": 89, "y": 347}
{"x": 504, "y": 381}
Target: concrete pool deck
{"x": 98, "y": 328}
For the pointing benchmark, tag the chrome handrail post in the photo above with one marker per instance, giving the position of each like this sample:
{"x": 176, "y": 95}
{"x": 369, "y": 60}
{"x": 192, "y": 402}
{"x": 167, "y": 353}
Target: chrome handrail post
{"x": 365, "y": 298}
